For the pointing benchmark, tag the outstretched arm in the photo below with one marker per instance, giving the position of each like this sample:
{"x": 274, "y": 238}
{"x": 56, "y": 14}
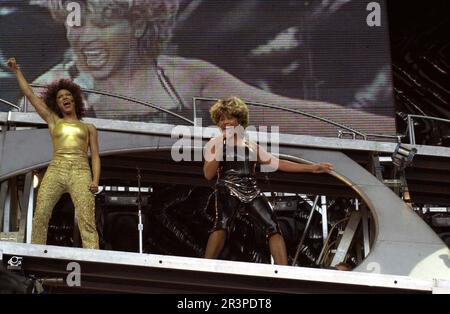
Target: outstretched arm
{"x": 288, "y": 166}
{"x": 41, "y": 108}
{"x": 95, "y": 157}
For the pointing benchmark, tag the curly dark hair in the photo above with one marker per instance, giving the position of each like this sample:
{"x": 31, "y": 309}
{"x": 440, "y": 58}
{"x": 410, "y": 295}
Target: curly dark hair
{"x": 49, "y": 96}
{"x": 232, "y": 107}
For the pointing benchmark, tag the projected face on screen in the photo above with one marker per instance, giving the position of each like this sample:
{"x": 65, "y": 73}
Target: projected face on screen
{"x": 319, "y": 57}
{"x": 104, "y": 43}
{"x": 115, "y": 35}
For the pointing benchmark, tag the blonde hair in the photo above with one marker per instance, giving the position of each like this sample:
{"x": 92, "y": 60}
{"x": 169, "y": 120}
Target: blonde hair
{"x": 159, "y": 16}
{"x": 231, "y": 107}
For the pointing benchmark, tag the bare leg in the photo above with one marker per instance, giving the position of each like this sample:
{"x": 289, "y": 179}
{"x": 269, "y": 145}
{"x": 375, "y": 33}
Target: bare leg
{"x": 215, "y": 244}
{"x": 278, "y": 249}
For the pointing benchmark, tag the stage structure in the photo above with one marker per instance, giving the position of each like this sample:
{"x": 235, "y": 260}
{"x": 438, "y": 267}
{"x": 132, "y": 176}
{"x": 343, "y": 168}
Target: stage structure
{"x": 388, "y": 245}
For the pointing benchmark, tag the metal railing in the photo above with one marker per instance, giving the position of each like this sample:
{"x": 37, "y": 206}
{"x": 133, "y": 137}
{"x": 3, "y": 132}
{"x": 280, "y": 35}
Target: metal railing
{"x": 347, "y": 130}
{"x": 143, "y": 103}
{"x": 411, "y": 129}
{"x": 270, "y": 106}
{"x": 10, "y": 104}
{"x": 398, "y": 138}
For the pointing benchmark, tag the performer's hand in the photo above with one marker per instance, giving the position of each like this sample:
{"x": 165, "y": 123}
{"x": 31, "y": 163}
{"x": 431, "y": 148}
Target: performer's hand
{"x": 12, "y": 64}
{"x": 93, "y": 187}
{"x": 322, "y": 167}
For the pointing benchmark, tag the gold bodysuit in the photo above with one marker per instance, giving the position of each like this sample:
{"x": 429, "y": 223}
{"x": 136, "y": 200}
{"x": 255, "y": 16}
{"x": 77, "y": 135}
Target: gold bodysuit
{"x": 69, "y": 172}
{"x": 70, "y": 140}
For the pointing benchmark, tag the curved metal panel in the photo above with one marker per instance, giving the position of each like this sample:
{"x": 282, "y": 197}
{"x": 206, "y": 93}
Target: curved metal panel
{"x": 404, "y": 244}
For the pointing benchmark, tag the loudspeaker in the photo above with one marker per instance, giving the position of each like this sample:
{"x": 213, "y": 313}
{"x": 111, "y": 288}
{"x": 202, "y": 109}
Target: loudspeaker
{"x": 120, "y": 230}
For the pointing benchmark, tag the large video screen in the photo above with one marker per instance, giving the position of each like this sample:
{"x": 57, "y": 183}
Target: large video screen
{"x": 326, "y": 58}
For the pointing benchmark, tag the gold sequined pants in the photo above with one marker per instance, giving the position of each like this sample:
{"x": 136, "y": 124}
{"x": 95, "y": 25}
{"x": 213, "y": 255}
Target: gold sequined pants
{"x": 73, "y": 177}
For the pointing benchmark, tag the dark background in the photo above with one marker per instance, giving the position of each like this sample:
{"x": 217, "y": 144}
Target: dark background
{"x": 420, "y": 48}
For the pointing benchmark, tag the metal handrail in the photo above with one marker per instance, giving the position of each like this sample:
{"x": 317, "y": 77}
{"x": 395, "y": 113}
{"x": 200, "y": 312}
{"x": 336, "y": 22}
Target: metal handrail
{"x": 10, "y": 104}
{"x": 396, "y": 137}
{"x": 411, "y": 131}
{"x": 256, "y": 104}
{"x": 309, "y": 115}
{"x": 147, "y": 104}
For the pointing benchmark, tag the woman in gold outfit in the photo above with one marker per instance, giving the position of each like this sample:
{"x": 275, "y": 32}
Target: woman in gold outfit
{"x": 61, "y": 106}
